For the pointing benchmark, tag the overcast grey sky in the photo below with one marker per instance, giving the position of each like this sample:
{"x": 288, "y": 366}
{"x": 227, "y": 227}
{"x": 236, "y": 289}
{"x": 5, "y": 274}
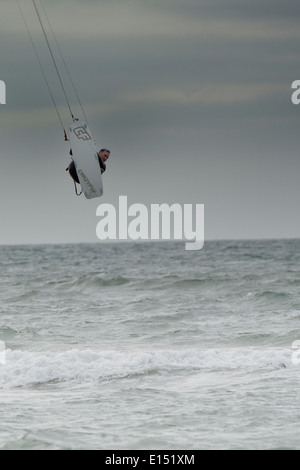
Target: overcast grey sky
{"x": 192, "y": 96}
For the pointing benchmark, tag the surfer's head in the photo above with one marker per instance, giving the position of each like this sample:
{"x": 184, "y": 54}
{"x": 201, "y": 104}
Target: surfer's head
{"x": 104, "y": 154}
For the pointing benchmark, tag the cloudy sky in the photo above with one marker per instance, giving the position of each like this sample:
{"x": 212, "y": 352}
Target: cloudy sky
{"x": 192, "y": 96}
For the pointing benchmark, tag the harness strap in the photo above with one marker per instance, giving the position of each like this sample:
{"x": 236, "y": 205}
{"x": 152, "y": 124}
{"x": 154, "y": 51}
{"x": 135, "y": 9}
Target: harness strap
{"x": 76, "y": 192}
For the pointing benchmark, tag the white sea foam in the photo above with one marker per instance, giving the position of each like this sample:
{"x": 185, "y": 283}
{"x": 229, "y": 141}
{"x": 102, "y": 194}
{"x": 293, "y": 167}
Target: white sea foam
{"x": 28, "y": 368}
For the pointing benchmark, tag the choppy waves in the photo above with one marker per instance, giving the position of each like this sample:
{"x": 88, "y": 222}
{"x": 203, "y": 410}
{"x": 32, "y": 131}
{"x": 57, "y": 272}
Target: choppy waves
{"x": 23, "y": 369}
{"x": 153, "y": 340}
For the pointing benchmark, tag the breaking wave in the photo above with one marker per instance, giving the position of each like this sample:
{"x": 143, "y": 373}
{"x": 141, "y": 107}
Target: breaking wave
{"x": 23, "y": 369}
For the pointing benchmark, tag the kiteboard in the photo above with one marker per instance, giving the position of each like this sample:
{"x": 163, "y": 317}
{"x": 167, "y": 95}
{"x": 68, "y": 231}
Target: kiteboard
{"x": 85, "y": 156}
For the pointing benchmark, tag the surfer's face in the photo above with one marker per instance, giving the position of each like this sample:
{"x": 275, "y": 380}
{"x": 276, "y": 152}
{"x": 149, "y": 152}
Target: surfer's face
{"x": 105, "y": 155}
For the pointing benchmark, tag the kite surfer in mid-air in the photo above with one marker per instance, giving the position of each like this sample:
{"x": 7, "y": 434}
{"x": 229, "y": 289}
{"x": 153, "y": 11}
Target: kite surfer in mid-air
{"x": 86, "y": 160}
{"x": 103, "y": 156}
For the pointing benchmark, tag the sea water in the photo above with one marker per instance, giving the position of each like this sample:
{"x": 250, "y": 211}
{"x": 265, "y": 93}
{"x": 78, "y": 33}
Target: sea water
{"x": 148, "y": 346}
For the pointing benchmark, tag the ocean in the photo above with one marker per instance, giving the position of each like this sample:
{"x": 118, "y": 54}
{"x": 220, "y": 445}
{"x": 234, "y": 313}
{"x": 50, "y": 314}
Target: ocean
{"x": 148, "y": 346}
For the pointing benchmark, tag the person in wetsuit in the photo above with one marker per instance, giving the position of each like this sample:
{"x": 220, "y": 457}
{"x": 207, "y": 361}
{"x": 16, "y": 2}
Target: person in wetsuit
{"x": 103, "y": 156}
